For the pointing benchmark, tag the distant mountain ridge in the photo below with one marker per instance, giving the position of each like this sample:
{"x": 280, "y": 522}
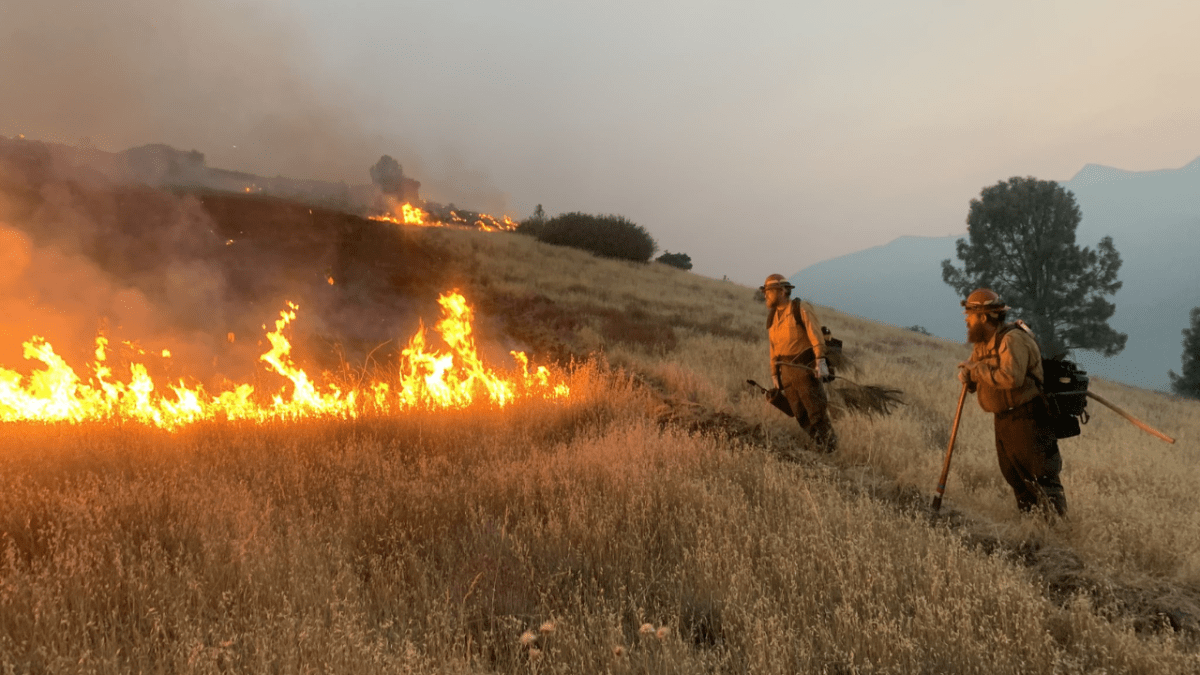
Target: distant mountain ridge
{"x": 1154, "y": 220}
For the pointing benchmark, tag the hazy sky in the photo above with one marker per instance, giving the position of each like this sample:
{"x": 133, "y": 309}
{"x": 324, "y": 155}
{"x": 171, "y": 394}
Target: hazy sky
{"x": 758, "y": 137}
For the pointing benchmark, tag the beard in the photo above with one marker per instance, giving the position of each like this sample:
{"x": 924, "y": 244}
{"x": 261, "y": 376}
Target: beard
{"x": 977, "y": 332}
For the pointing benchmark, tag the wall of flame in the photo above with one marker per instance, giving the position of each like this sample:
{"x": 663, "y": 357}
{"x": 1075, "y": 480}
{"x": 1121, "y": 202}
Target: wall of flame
{"x": 426, "y": 379}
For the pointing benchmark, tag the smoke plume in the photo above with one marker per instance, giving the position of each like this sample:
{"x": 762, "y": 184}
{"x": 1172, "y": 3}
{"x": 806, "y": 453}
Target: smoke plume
{"x": 237, "y": 81}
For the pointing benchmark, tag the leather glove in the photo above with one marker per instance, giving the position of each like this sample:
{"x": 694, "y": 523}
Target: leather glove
{"x": 771, "y": 394}
{"x": 823, "y": 370}
{"x": 964, "y": 375}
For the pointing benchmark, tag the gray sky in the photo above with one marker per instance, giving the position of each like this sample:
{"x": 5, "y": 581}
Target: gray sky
{"x": 757, "y": 138}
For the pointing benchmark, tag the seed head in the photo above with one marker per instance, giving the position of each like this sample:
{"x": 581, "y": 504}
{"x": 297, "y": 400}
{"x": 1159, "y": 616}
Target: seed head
{"x": 646, "y": 629}
{"x": 618, "y": 651}
{"x": 527, "y": 638}
{"x": 547, "y": 627}
{"x": 535, "y": 654}
{"x": 662, "y": 632}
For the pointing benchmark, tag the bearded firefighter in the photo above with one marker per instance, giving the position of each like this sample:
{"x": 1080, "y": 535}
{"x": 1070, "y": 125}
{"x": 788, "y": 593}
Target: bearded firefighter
{"x": 798, "y": 361}
{"x": 1005, "y": 372}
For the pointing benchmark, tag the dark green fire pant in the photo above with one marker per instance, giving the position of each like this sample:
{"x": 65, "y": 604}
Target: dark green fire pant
{"x": 1029, "y": 457}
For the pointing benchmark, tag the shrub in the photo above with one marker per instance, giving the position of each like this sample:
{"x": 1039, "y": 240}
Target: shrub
{"x": 681, "y": 260}
{"x": 608, "y": 236}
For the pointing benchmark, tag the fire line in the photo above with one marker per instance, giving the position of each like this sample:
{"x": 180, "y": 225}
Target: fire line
{"x": 427, "y": 379}
{"x": 407, "y": 214}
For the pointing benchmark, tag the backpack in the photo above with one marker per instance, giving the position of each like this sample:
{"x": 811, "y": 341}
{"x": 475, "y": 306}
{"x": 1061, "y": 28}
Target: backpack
{"x": 1064, "y": 390}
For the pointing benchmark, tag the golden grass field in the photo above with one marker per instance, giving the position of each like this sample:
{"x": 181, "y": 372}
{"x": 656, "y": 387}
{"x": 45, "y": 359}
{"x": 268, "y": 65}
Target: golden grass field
{"x": 663, "y": 520}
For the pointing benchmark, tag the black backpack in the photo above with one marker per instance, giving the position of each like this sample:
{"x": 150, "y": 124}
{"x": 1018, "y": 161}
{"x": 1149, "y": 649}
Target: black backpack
{"x": 1064, "y": 390}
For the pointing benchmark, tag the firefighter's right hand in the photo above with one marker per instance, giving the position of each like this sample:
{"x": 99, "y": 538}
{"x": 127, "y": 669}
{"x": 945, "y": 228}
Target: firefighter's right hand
{"x": 964, "y": 376}
{"x": 775, "y": 381}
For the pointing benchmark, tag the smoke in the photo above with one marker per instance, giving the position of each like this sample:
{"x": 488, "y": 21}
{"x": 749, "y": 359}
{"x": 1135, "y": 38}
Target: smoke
{"x": 235, "y": 80}
{"x": 79, "y": 259}
{"x": 80, "y": 254}
{"x": 68, "y": 300}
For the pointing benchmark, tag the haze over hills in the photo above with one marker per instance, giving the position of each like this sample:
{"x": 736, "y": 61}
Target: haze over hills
{"x": 1153, "y": 218}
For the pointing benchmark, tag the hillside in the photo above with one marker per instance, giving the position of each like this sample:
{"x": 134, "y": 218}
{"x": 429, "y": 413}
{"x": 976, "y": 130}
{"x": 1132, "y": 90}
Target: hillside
{"x": 663, "y": 518}
{"x": 1152, "y": 217}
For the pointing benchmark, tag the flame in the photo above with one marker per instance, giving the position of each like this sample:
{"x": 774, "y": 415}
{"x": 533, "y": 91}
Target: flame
{"x": 412, "y": 215}
{"x": 407, "y": 214}
{"x": 427, "y": 380}
{"x": 456, "y": 378}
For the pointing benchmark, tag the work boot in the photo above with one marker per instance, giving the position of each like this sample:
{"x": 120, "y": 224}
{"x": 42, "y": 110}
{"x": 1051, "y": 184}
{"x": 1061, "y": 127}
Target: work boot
{"x": 825, "y": 439}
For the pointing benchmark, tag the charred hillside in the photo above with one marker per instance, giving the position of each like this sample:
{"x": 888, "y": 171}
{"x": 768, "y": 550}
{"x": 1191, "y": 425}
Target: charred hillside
{"x": 190, "y": 266}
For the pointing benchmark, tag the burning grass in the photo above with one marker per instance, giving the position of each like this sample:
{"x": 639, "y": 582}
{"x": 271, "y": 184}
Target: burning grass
{"x": 427, "y": 378}
{"x": 441, "y": 216}
{"x": 545, "y": 535}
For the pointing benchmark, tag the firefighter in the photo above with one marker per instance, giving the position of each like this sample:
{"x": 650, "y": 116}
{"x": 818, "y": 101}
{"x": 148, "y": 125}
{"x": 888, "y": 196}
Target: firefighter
{"x": 1004, "y": 373}
{"x": 798, "y": 362}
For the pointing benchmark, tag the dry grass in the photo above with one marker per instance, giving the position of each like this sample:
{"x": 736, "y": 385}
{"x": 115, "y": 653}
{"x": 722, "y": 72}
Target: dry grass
{"x": 586, "y": 537}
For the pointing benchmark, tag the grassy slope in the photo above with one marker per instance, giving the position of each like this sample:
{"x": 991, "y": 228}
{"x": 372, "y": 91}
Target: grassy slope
{"x": 433, "y": 542}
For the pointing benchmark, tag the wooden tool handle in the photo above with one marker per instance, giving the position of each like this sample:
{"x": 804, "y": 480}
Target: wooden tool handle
{"x": 941, "y": 488}
{"x": 1136, "y": 422}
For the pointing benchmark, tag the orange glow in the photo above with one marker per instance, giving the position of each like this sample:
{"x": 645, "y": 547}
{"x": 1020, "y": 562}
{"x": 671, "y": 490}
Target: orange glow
{"x": 407, "y": 214}
{"x": 427, "y": 380}
{"x": 412, "y": 215}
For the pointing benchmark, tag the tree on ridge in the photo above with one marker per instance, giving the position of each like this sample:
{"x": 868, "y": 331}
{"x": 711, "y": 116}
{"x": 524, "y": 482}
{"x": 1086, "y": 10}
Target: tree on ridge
{"x": 1021, "y": 244}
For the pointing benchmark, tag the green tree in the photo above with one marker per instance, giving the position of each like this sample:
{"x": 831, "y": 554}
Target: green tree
{"x": 1188, "y": 384}
{"x": 1021, "y": 244}
{"x": 681, "y": 260}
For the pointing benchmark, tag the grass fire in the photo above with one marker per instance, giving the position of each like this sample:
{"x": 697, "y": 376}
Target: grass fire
{"x": 407, "y": 214}
{"x": 425, "y": 379}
